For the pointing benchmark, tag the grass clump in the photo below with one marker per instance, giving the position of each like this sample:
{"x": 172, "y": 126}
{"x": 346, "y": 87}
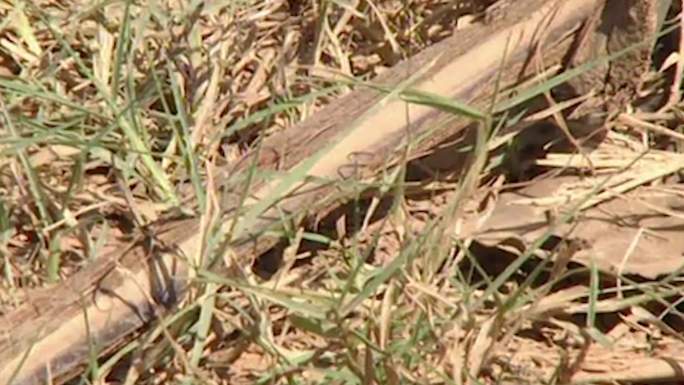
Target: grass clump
{"x": 117, "y": 115}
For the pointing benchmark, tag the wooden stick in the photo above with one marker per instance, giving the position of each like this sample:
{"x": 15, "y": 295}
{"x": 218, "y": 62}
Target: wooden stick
{"x": 123, "y": 290}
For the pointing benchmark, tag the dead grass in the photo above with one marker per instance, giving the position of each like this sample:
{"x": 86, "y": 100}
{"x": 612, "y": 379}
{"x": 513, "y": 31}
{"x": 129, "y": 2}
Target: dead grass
{"x": 114, "y": 114}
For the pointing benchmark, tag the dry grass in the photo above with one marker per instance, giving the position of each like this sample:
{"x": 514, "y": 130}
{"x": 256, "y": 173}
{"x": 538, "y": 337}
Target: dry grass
{"x": 115, "y": 113}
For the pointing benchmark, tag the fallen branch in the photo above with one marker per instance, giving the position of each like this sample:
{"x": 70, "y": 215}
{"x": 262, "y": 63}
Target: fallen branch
{"x": 50, "y": 338}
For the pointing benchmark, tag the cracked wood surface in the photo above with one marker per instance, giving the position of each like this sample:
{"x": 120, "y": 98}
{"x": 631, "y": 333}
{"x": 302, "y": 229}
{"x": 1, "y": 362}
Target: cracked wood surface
{"x": 614, "y": 26}
{"x": 122, "y": 291}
